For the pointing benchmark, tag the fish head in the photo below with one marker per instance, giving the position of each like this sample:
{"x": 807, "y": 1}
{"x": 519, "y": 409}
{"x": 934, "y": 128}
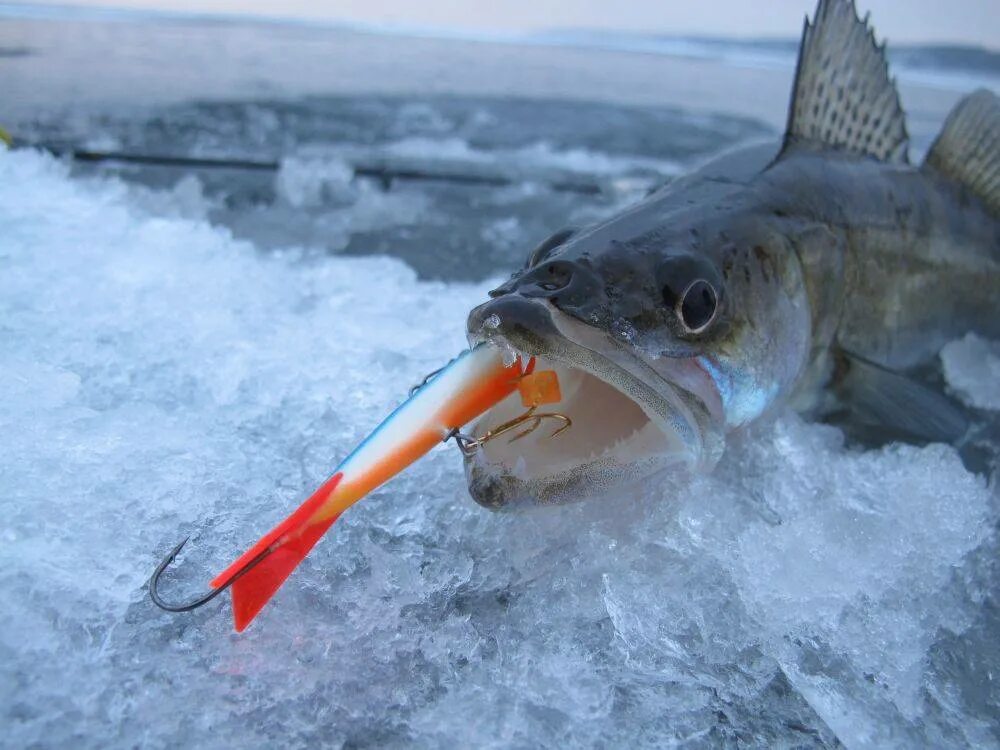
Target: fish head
{"x": 656, "y": 341}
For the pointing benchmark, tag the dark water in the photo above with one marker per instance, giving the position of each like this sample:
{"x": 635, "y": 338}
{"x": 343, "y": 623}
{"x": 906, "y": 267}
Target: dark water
{"x": 445, "y": 229}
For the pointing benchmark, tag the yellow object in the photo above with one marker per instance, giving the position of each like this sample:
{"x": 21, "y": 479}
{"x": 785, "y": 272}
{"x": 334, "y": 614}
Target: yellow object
{"x": 6, "y": 137}
{"x": 539, "y": 388}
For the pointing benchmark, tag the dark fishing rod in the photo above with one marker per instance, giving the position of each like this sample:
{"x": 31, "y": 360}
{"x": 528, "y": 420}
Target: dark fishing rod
{"x": 385, "y": 174}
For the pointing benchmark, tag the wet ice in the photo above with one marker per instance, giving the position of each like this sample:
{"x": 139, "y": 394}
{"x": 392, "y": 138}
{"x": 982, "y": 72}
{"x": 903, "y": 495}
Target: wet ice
{"x": 160, "y": 377}
{"x": 972, "y": 367}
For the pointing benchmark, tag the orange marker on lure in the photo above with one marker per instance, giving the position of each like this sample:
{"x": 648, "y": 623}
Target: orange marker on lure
{"x": 537, "y": 388}
{"x": 466, "y": 388}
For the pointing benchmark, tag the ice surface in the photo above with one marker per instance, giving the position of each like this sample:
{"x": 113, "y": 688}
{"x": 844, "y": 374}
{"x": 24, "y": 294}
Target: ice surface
{"x": 159, "y": 377}
{"x": 972, "y": 368}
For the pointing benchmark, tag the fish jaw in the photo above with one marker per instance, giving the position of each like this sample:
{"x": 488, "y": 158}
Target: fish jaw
{"x": 629, "y": 421}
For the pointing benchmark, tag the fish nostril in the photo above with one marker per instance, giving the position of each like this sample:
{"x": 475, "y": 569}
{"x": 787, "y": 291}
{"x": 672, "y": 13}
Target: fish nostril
{"x": 560, "y": 277}
{"x": 555, "y": 276}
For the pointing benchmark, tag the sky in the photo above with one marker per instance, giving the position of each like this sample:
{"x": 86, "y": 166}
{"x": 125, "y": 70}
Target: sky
{"x": 963, "y": 21}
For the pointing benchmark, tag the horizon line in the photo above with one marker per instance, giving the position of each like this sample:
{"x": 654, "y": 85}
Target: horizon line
{"x": 528, "y": 35}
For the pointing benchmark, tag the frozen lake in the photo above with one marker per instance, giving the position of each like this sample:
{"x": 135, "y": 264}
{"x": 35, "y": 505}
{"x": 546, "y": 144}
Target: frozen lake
{"x": 193, "y": 351}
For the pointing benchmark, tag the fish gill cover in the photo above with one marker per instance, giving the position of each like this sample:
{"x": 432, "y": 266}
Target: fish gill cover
{"x": 158, "y": 374}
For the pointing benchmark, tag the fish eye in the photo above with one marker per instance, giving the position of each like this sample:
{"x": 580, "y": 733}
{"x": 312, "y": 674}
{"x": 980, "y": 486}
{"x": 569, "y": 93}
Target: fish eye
{"x": 692, "y": 292}
{"x": 697, "y": 306}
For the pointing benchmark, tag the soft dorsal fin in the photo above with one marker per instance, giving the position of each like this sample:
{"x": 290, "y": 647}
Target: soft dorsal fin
{"x": 968, "y": 148}
{"x": 843, "y": 96}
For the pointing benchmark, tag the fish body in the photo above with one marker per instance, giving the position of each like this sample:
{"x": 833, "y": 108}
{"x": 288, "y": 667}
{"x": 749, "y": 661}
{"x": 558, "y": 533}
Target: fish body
{"x": 897, "y": 259}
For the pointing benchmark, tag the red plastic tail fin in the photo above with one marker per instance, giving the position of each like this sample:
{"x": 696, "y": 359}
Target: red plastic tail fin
{"x": 253, "y": 589}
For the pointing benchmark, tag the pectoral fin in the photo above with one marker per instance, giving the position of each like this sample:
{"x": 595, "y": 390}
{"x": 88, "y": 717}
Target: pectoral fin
{"x": 898, "y": 406}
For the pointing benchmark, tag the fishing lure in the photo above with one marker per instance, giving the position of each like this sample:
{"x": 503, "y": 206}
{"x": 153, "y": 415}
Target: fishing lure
{"x": 435, "y": 411}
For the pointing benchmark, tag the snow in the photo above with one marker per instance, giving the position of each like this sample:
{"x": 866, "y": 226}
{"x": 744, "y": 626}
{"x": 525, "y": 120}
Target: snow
{"x": 972, "y": 369}
{"x": 159, "y": 377}
{"x": 534, "y": 157}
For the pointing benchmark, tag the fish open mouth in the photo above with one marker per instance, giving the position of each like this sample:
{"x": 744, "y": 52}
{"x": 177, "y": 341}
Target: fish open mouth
{"x": 617, "y": 421}
{"x": 601, "y": 423}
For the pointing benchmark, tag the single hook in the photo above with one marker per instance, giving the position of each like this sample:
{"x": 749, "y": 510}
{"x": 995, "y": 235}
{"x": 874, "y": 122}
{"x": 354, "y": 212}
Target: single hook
{"x": 154, "y": 581}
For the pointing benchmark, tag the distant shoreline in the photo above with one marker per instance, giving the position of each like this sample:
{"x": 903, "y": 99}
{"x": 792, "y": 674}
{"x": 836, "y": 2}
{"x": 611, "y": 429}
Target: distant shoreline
{"x": 950, "y": 66}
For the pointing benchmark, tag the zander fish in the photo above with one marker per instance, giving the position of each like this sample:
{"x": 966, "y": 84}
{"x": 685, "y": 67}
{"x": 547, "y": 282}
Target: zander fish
{"x": 813, "y": 273}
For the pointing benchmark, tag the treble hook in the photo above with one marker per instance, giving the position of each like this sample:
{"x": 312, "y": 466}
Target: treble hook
{"x": 154, "y": 581}
{"x": 469, "y": 445}
{"x": 536, "y": 420}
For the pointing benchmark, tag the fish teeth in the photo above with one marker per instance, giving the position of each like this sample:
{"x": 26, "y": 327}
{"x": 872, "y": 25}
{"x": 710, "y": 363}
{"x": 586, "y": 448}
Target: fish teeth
{"x": 619, "y": 444}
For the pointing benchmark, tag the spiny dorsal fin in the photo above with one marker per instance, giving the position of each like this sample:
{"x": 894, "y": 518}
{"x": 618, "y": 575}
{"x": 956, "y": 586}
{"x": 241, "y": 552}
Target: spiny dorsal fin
{"x": 968, "y": 148}
{"x": 843, "y": 96}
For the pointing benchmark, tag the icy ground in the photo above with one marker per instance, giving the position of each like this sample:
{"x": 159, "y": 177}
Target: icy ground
{"x": 159, "y": 377}
{"x": 972, "y": 366}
